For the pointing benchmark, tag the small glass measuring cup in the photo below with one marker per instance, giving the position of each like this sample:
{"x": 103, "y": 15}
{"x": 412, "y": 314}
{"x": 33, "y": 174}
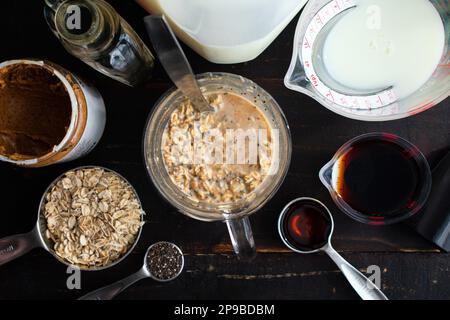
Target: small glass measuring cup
{"x": 317, "y": 218}
{"x": 307, "y": 74}
{"x": 235, "y": 214}
{"x": 328, "y": 176}
{"x": 15, "y": 246}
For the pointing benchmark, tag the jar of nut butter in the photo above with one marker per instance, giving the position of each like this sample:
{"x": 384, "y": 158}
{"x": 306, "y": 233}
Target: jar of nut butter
{"x": 47, "y": 114}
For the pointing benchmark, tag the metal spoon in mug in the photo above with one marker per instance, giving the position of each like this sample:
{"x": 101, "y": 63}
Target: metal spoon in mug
{"x": 305, "y": 225}
{"x": 163, "y": 262}
{"x": 174, "y": 61}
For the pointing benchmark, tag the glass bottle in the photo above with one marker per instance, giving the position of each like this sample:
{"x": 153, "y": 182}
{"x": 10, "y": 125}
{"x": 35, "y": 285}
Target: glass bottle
{"x": 94, "y": 32}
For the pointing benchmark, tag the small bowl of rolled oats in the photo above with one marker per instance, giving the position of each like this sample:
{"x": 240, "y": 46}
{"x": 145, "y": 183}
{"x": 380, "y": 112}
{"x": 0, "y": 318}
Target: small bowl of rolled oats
{"x": 91, "y": 218}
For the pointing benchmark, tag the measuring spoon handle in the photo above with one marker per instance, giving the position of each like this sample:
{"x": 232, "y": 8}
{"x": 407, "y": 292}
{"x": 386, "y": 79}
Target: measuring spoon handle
{"x": 366, "y": 289}
{"x": 109, "y": 292}
{"x": 13, "y": 247}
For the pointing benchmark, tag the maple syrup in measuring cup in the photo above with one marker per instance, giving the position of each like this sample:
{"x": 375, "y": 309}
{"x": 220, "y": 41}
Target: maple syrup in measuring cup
{"x": 378, "y": 178}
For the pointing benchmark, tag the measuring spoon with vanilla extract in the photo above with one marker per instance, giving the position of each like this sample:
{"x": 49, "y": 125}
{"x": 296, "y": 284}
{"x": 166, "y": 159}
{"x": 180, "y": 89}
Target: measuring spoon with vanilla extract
{"x": 305, "y": 226}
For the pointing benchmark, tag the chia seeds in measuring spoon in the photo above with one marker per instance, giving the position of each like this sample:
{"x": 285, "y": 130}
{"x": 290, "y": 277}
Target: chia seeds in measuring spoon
{"x": 164, "y": 261}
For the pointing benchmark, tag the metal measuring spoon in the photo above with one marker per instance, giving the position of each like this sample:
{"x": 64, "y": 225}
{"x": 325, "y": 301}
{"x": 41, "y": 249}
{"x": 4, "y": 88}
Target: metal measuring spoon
{"x": 174, "y": 61}
{"x": 152, "y": 268}
{"x": 363, "y": 286}
{"x": 15, "y": 246}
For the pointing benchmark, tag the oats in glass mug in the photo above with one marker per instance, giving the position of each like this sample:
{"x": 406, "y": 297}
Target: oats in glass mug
{"x": 197, "y": 153}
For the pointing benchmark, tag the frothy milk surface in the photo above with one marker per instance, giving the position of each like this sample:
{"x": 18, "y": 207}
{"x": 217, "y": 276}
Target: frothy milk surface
{"x": 383, "y": 43}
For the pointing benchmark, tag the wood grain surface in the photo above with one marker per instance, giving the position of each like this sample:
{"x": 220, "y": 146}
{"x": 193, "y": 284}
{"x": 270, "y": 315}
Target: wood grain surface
{"x": 412, "y": 268}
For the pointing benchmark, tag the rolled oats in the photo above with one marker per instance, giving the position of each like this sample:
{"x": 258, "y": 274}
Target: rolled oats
{"x": 214, "y": 182}
{"x": 93, "y": 217}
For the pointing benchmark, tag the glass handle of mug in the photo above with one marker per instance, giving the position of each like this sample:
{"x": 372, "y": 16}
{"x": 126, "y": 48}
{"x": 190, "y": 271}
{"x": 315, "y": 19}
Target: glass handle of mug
{"x": 241, "y": 236}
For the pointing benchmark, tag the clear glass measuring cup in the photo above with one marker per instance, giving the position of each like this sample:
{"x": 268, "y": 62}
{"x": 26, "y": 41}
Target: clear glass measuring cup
{"x": 330, "y": 172}
{"x": 307, "y": 72}
{"x": 234, "y": 214}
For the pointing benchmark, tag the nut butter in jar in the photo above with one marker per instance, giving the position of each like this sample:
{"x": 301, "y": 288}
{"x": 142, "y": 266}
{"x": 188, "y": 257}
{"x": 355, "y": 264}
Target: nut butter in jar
{"x": 47, "y": 114}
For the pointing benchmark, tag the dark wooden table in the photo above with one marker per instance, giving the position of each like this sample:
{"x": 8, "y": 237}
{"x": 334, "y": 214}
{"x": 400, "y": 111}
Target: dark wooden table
{"x": 411, "y": 267}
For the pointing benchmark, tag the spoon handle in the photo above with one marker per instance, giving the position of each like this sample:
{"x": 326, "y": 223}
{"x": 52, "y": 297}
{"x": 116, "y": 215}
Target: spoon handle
{"x": 109, "y": 292}
{"x": 16, "y": 246}
{"x": 174, "y": 60}
{"x": 363, "y": 286}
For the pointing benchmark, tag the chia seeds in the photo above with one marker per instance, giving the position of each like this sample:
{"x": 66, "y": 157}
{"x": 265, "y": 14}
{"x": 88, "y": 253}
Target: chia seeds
{"x": 164, "y": 261}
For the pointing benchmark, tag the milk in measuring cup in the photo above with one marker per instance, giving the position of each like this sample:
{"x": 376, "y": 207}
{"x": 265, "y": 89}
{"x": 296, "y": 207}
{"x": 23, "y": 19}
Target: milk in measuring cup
{"x": 384, "y": 43}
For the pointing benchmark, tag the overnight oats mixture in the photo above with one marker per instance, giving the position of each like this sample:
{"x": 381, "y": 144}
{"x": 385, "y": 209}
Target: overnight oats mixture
{"x": 205, "y": 173}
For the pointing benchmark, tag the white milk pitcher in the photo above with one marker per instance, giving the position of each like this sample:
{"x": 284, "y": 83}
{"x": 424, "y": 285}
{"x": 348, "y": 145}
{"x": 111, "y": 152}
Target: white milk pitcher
{"x": 226, "y": 31}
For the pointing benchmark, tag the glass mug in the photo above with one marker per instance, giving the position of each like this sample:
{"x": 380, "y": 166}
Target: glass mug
{"x": 234, "y": 214}
{"x": 399, "y": 149}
